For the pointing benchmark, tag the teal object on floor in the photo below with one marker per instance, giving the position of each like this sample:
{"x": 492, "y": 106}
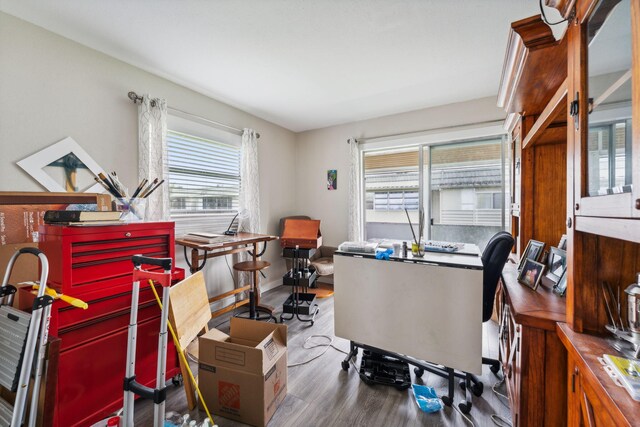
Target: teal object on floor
{"x": 426, "y": 398}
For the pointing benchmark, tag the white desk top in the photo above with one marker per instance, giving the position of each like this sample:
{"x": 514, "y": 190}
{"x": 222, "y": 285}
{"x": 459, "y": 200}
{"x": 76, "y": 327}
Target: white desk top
{"x": 468, "y": 257}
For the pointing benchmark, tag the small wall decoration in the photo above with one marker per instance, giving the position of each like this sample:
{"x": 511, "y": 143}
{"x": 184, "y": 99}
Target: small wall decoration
{"x": 332, "y": 179}
{"x": 64, "y": 167}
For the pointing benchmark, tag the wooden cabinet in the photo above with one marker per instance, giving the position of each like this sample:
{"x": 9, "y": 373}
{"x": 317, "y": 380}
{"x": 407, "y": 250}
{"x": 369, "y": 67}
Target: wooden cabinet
{"x": 531, "y": 354}
{"x": 581, "y": 125}
{"x": 594, "y": 399}
{"x": 94, "y": 264}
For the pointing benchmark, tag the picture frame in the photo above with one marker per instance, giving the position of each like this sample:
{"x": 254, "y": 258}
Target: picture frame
{"x": 561, "y": 287}
{"x": 332, "y": 179}
{"x": 556, "y": 264}
{"x": 533, "y": 251}
{"x": 531, "y": 274}
{"x": 74, "y": 168}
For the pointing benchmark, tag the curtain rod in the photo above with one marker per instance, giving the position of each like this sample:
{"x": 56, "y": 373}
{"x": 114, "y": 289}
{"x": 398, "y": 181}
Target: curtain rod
{"x": 137, "y": 99}
{"x": 425, "y": 131}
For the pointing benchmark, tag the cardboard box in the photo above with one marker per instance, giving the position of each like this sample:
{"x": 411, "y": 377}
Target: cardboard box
{"x": 243, "y": 376}
{"x": 304, "y": 233}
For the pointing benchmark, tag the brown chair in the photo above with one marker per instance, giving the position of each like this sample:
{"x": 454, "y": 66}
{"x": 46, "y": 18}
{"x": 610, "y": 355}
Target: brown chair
{"x": 255, "y": 307}
{"x": 322, "y": 260}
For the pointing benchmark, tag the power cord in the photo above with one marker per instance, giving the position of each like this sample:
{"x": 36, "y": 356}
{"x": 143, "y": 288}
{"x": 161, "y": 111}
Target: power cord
{"x": 316, "y": 344}
{"x": 467, "y": 419}
{"x": 499, "y": 420}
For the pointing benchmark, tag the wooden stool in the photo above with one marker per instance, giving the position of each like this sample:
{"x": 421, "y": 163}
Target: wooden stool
{"x": 254, "y": 298}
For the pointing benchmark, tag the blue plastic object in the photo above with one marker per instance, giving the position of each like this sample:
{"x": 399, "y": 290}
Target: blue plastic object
{"x": 426, "y": 398}
{"x": 384, "y": 254}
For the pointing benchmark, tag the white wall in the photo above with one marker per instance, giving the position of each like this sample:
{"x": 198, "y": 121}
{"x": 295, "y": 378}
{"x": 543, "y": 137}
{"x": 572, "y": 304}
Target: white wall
{"x": 322, "y": 149}
{"x": 52, "y": 87}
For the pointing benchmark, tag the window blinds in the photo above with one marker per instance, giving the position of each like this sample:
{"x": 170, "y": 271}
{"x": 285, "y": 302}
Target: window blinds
{"x": 204, "y": 182}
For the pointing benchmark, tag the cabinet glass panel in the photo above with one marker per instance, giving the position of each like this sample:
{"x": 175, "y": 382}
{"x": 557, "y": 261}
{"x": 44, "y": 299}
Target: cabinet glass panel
{"x": 609, "y": 85}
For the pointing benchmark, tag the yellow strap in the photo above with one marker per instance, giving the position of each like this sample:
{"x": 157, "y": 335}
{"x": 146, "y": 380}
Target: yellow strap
{"x": 69, "y": 300}
{"x": 181, "y": 354}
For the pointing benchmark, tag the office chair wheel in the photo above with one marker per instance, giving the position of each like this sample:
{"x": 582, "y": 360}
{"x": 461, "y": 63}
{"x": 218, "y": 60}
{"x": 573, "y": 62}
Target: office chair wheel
{"x": 447, "y": 400}
{"x": 418, "y": 371}
{"x": 465, "y": 407}
{"x": 345, "y": 365}
{"x": 495, "y": 368}
{"x": 476, "y": 389}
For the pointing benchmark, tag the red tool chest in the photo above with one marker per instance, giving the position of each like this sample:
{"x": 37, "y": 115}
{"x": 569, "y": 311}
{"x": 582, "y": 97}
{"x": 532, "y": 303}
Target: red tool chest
{"x": 94, "y": 264}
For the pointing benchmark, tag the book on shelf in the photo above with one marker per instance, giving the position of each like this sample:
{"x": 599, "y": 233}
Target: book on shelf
{"x": 61, "y": 216}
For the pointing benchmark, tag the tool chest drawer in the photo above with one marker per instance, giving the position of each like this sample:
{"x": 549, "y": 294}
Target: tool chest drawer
{"x": 85, "y": 259}
{"x": 109, "y": 306}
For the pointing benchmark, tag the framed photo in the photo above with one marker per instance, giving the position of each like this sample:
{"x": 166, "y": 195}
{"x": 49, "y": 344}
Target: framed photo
{"x": 531, "y": 274}
{"x": 332, "y": 179}
{"x": 563, "y": 242}
{"x": 533, "y": 252}
{"x": 561, "y": 287}
{"x": 556, "y": 264}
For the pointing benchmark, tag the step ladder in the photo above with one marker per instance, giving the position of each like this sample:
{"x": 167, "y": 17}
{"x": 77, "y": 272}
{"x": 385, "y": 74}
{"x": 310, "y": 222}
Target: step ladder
{"x": 23, "y": 337}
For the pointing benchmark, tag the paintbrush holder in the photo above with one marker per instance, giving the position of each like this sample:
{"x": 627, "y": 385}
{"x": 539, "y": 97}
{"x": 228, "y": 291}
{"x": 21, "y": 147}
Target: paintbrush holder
{"x": 133, "y": 210}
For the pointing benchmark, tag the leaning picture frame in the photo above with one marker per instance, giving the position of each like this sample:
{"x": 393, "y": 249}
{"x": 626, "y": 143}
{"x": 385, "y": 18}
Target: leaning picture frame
{"x": 561, "y": 287}
{"x": 531, "y": 274}
{"x": 533, "y": 251}
{"x": 556, "y": 264}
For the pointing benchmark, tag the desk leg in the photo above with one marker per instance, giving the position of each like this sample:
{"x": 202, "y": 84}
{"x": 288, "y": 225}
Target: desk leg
{"x": 256, "y": 277}
{"x": 195, "y": 260}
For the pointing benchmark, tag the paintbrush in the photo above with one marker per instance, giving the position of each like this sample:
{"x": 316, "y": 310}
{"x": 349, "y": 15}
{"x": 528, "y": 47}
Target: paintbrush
{"x": 153, "y": 189}
{"x": 144, "y": 192}
{"x": 411, "y": 226}
{"x": 112, "y": 189}
{"x": 140, "y": 187}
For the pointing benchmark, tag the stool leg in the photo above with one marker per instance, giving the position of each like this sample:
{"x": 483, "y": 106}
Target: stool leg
{"x": 252, "y": 305}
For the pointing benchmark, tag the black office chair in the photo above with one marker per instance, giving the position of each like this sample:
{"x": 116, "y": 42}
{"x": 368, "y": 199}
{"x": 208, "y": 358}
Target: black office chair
{"x": 494, "y": 257}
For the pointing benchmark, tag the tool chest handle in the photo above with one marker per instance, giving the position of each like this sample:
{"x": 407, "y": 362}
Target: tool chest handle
{"x": 165, "y": 263}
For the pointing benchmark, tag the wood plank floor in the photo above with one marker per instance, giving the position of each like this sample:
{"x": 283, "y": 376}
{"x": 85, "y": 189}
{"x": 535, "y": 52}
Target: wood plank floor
{"x": 320, "y": 393}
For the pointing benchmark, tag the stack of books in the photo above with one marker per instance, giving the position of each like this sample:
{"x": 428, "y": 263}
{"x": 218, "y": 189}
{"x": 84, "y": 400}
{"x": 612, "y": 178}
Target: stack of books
{"x": 82, "y": 218}
{"x": 208, "y": 238}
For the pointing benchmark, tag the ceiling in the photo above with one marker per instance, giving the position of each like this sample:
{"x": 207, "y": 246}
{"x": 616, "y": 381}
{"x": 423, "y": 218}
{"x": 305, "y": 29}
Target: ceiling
{"x": 301, "y": 64}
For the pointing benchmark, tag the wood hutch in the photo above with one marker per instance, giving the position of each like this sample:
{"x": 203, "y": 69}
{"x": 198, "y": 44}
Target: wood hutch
{"x": 573, "y": 112}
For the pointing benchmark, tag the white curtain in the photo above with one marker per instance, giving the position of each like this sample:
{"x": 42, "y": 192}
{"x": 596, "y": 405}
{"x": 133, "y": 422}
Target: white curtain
{"x": 250, "y": 183}
{"x": 152, "y": 152}
{"x": 355, "y": 193}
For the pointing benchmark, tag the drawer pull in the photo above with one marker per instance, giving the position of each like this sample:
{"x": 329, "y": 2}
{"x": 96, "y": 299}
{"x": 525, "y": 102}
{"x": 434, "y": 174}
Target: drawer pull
{"x": 127, "y": 234}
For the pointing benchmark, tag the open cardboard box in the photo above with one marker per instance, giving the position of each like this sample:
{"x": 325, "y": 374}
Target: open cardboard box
{"x": 243, "y": 375}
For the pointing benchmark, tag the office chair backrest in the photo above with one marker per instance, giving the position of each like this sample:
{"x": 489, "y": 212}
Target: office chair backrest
{"x": 494, "y": 257}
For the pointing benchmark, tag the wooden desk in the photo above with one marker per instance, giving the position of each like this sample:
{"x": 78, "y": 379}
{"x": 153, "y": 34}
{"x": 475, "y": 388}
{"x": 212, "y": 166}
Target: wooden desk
{"x": 242, "y": 242}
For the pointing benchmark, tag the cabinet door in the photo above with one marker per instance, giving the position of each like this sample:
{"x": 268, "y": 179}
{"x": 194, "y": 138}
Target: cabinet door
{"x": 585, "y": 408}
{"x": 605, "y": 95}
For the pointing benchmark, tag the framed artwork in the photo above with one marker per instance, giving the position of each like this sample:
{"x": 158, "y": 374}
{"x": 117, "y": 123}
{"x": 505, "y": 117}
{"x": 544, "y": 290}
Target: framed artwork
{"x": 64, "y": 167}
{"x": 531, "y": 273}
{"x": 533, "y": 251}
{"x": 556, "y": 264}
{"x": 561, "y": 287}
{"x": 332, "y": 179}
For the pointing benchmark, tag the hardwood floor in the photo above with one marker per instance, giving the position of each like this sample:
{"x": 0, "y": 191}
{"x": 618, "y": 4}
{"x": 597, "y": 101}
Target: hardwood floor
{"x": 320, "y": 393}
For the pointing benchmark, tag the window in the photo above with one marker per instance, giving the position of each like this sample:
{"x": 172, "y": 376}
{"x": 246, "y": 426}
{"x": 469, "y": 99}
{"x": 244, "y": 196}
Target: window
{"x": 204, "y": 176}
{"x": 461, "y": 186}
